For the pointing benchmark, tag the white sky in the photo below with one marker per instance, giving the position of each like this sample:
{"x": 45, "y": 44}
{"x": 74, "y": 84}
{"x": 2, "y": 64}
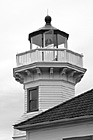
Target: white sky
{"x": 20, "y": 17}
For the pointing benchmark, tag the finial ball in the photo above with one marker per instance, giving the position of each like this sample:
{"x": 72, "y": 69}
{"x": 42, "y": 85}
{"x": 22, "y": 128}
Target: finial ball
{"x": 48, "y": 19}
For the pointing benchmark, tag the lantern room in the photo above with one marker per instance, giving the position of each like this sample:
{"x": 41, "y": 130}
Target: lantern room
{"x": 48, "y": 36}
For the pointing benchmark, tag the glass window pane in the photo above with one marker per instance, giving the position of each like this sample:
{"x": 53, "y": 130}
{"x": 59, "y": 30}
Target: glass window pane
{"x": 33, "y": 100}
{"x": 33, "y": 94}
{"x": 33, "y": 106}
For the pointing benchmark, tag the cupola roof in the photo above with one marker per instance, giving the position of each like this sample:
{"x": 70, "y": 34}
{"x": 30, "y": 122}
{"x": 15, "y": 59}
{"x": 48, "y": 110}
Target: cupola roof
{"x": 46, "y": 28}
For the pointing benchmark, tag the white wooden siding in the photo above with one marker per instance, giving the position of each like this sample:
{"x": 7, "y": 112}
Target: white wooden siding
{"x": 25, "y": 101}
{"x": 58, "y": 133}
{"x": 18, "y": 133}
{"x": 53, "y": 94}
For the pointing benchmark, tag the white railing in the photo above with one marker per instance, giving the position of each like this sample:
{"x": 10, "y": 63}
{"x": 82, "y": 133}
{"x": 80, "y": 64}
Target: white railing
{"x": 49, "y": 55}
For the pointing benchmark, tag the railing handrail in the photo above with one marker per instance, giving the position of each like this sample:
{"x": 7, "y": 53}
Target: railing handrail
{"x": 49, "y": 49}
{"x": 49, "y": 54}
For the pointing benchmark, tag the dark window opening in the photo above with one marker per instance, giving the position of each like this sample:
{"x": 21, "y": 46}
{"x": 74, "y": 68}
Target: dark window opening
{"x": 32, "y": 99}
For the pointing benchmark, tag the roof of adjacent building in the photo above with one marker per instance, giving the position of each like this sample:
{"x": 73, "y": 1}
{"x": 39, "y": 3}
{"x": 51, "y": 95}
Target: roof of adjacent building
{"x": 79, "y": 106}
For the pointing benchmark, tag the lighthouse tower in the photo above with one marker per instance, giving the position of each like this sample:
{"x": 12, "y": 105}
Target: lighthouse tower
{"x": 49, "y": 71}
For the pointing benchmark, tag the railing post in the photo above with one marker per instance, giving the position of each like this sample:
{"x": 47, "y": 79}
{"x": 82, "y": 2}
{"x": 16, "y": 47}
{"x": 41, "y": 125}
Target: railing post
{"x": 65, "y": 53}
{"x": 53, "y": 54}
{"x": 17, "y": 62}
{"x": 42, "y": 56}
{"x": 56, "y": 56}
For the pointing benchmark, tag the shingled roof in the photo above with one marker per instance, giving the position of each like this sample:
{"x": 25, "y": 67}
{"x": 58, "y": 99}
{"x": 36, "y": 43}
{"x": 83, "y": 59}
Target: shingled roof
{"x": 81, "y": 105}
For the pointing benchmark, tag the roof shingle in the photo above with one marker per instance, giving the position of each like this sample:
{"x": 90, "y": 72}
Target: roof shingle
{"x": 81, "y": 105}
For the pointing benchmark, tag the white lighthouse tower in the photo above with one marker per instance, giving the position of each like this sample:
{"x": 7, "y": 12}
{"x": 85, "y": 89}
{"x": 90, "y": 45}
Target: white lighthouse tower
{"x": 48, "y": 71}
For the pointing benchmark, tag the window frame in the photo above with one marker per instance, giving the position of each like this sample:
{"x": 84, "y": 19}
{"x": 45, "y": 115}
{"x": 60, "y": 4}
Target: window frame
{"x": 29, "y": 101}
{"x": 90, "y": 137}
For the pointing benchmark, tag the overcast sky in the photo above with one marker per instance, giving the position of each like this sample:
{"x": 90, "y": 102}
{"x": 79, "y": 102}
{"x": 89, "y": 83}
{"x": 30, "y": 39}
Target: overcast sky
{"x": 20, "y": 17}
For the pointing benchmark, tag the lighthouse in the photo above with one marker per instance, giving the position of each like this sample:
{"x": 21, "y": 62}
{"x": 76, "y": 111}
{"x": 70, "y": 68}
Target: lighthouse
{"x": 48, "y": 71}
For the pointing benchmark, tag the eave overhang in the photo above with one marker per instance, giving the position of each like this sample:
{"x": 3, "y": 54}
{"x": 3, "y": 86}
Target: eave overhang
{"x": 62, "y": 122}
{"x": 48, "y": 64}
